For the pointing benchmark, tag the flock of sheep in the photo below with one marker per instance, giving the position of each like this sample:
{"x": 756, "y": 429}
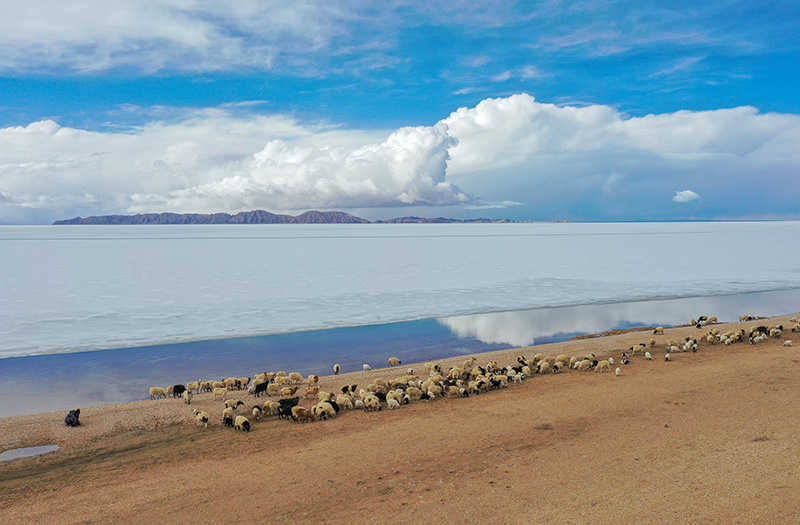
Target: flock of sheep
{"x": 469, "y": 379}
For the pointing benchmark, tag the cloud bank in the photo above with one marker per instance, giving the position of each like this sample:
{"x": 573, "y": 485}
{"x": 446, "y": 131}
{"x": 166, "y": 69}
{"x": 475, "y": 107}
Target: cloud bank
{"x": 545, "y": 161}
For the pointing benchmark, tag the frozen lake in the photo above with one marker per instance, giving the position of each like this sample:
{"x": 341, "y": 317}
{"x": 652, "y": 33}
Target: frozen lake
{"x": 86, "y": 288}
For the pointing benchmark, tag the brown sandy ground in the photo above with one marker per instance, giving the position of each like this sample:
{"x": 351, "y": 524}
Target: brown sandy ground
{"x": 709, "y": 437}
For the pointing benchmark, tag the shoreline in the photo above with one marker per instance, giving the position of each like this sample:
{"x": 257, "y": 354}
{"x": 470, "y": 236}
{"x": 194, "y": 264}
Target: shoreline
{"x": 126, "y": 374}
{"x": 706, "y": 437}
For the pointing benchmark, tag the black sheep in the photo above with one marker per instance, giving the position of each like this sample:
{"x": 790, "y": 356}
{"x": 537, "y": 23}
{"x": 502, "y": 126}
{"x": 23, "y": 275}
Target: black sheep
{"x": 72, "y": 418}
{"x": 260, "y": 388}
{"x": 178, "y": 390}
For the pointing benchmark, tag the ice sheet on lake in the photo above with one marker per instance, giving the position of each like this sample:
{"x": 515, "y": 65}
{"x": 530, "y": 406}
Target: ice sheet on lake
{"x": 73, "y": 288}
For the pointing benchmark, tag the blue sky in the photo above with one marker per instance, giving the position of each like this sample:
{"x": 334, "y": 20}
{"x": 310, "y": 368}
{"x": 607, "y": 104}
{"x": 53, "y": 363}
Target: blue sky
{"x": 586, "y": 110}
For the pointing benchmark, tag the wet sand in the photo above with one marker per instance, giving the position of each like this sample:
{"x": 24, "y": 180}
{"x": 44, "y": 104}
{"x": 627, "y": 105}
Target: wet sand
{"x": 709, "y": 437}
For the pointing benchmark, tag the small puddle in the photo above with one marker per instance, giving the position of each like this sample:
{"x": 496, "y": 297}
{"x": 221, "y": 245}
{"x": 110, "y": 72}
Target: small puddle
{"x": 8, "y": 455}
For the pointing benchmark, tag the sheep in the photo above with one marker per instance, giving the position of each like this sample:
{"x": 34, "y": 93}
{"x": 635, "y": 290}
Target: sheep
{"x": 241, "y": 423}
{"x": 666, "y": 357}
{"x": 414, "y": 392}
{"x": 618, "y": 372}
{"x": 288, "y": 390}
{"x": 652, "y": 343}
{"x": 194, "y": 385}
{"x": 359, "y": 405}
{"x": 282, "y": 380}
{"x": 257, "y": 412}
{"x": 336, "y": 369}
{"x": 221, "y": 392}
{"x": 273, "y": 389}
{"x": 201, "y": 418}
{"x": 233, "y": 403}
{"x": 393, "y": 361}
{"x": 313, "y": 379}
{"x": 584, "y": 365}
{"x": 648, "y": 356}
{"x": 187, "y": 397}
{"x": 326, "y": 396}
{"x": 256, "y": 389}
{"x": 156, "y": 392}
{"x": 788, "y": 342}
{"x": 436, "y": 389}
{"x": 271, "y": 408}
{"x": 295, "y": 377}
{"x": 366, "y": 368}
{"x": 323, "y": 410}
{"x": 393, "y": 403}
{"x": 626, "y": 361}
{"x": 242, "y": 382}
{"x": 469, "y": 362}
{"x": 177, "y": 390}
{"x": 544, "y": 367}
{"x": 72, "y": 419}
{"x": 227, "y": 413}
{"x": 312, "y": 391}
{"x": 659, "y": 330}
{"x": 302, "y": 414}
{"x": 372, "y": 403}
{"x": 611, "y": 361}
{"x": 775, "y": 332}
{"x": 345, "y": 402}
{"x": 603, "y": 366}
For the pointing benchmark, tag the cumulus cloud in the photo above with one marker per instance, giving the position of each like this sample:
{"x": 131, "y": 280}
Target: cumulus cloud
{"x": 685, "y": 196}
{"x": 589, "y": 162}
{"x": 409, "y": 167}
{"x": 207, "y": 163}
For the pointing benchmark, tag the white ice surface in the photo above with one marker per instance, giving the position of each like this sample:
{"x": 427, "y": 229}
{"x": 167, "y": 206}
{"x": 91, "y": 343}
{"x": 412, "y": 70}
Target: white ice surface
{"x": 75, "y": 288}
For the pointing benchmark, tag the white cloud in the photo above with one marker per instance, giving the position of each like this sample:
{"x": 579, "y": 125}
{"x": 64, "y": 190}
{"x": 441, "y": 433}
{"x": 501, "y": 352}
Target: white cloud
{"x": 685, "y": 196}
{"x": 93, "y": 35}
{"x": 591, "y": 162}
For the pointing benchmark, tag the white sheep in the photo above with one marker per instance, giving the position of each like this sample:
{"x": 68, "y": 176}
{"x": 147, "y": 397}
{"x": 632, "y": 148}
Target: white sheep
{"x": 393, "y": 403}
{"x": 344, "y": 402}
{"x": 156, "y": 392}
{"x": 295, "y": 377}
{"x": 648, "y": 356}
{"x": 271, "y": 408}
{"x": 610, "y": 360}
{"x": 201, "y": 418}
{"x": 227, "y": 412}
{"x": 257, "y": 412}
{"x": 336, "y": 369}
{"x": 666, "y": 357}
{"x": 618, "y": 372}
{"x": 233, "y": 403}
{"x": 788, "y": 342}
{"x": 241, "y": 423}
{"x": 187, "y": 397}
{"x": 358, "y": 405}
{"x": 393, "y": 361}
{"x": 221, "y": 392}
{"x": 366, "y": 367}
{"x": 603, "y": 366}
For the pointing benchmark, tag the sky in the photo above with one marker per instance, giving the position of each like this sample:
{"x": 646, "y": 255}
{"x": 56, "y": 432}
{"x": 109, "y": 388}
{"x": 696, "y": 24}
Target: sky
{"x": 589, "y": 110}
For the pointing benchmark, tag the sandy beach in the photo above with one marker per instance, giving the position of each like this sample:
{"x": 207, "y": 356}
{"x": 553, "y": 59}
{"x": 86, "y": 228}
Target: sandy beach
{"x": 708, "y": 437}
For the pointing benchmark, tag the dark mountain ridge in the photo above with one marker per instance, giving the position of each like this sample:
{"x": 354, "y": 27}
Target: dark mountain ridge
{"x": 254, "y": 217}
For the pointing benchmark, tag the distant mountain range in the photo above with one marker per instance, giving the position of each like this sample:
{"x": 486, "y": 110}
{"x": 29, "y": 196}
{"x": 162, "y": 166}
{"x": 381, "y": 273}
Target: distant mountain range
{"x": 258, "y": 217}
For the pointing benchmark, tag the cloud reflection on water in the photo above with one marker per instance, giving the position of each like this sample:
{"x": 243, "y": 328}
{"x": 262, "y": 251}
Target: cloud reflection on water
{"x": 526, "y": 327}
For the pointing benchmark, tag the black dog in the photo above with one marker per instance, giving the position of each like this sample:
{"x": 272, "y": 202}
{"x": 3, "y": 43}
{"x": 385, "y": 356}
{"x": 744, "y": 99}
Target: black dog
{"x": 72, "y": 418}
